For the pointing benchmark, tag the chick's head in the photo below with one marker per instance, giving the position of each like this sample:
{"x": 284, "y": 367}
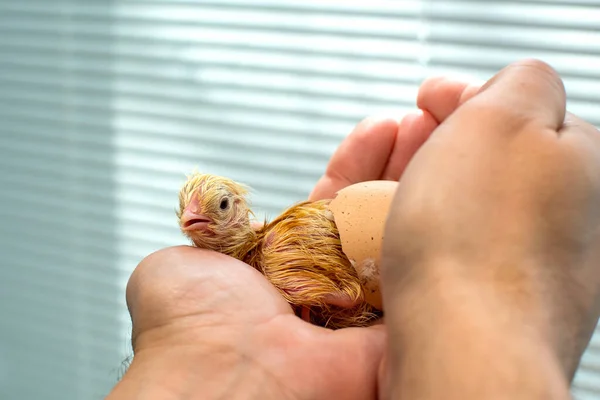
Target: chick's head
{"x": 214, "y": 213}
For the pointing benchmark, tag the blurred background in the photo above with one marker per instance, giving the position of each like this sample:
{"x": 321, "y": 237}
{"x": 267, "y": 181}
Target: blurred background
{"x": 106, "y": 105}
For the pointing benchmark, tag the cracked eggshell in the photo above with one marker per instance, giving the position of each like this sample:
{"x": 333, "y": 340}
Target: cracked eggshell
{"x": 360, "y": 212}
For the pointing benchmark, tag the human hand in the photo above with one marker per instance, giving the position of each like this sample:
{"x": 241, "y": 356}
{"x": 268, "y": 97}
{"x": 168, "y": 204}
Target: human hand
{"x": 377, "y": 149}
{"x": 491, "y": 271}
{"x": 208, "y": 326}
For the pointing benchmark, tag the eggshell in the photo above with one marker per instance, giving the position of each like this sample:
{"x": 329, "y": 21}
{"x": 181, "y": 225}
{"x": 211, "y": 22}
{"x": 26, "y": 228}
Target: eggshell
{"x": 360, "y": 212}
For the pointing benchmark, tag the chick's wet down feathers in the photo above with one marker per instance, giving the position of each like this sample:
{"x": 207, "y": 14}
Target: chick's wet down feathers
{"x": 299, "y": 252}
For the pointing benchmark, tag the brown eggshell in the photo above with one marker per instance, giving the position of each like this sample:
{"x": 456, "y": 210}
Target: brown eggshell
{"x": 360, "y": 212}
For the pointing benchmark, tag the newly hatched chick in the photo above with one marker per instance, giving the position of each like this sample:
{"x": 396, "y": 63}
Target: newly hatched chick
{"x": 299, "y": 252}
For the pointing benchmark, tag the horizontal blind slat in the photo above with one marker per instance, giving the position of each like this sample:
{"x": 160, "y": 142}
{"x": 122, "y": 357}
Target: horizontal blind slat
{"x": 219, "y": 103}
{"x": 517, "y": 14}
{"x": 100, "y": 121}
{"x": 181, "y": 17}
{"x": 146, "y": 161}
{"x": 213, "y": 80}
{"x": 380, "y": 8}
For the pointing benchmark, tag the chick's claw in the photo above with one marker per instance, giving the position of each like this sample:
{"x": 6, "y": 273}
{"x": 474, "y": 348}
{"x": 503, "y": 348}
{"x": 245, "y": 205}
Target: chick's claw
{"x": 305, "y": 314}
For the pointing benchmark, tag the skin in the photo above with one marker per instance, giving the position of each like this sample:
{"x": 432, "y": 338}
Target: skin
{"x": 171, "y": 295}
{"x": 499, "y": 213}
{"x": 190, "y": 305}
{"x": 509, "y": 274}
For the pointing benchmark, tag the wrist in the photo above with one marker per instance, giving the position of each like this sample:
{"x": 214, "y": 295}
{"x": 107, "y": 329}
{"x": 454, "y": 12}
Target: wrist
{"x": 190, "y": 372}
{"x": 454, "y": 337}
{"x": 174, "y": 374}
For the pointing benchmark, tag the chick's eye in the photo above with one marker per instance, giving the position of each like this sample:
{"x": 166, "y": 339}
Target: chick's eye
{"x": 224, "y": 204}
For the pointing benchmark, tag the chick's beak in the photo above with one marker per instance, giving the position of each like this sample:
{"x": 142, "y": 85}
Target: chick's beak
{"x": 192, "y": 220}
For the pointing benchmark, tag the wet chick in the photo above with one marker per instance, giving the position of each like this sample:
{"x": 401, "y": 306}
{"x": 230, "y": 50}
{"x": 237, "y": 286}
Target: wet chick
{"x": 299, "y": 252}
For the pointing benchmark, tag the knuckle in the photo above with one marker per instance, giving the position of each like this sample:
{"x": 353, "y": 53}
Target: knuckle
{"x": 539, "y": 65}
{"x": 374, "y": 122}
{"x": 543, "y": 70}
{"x": 433, "y": 83}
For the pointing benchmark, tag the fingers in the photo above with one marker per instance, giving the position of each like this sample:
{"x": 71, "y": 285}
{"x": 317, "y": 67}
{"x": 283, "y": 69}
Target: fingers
{"x": 440, "y": 97}
{"x": 376, "y": 149}
{"x": 414, "y": 130}
{"x": 354, "y": 375}
{"x": 576, "y": 126}
{"x": 530, "y": 88}
{"x": 362, "y": 156}
{"x": 584, "y": 138}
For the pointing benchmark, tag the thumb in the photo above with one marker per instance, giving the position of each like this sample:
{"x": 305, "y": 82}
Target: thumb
{"x": 354, "y": 359}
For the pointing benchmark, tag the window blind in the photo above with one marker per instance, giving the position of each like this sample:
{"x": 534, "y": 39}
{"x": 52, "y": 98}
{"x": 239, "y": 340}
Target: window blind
{"x": 106, "y": 105}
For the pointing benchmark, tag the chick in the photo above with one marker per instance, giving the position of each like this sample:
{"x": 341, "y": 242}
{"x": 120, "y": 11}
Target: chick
{"x": 299, "y": 252}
